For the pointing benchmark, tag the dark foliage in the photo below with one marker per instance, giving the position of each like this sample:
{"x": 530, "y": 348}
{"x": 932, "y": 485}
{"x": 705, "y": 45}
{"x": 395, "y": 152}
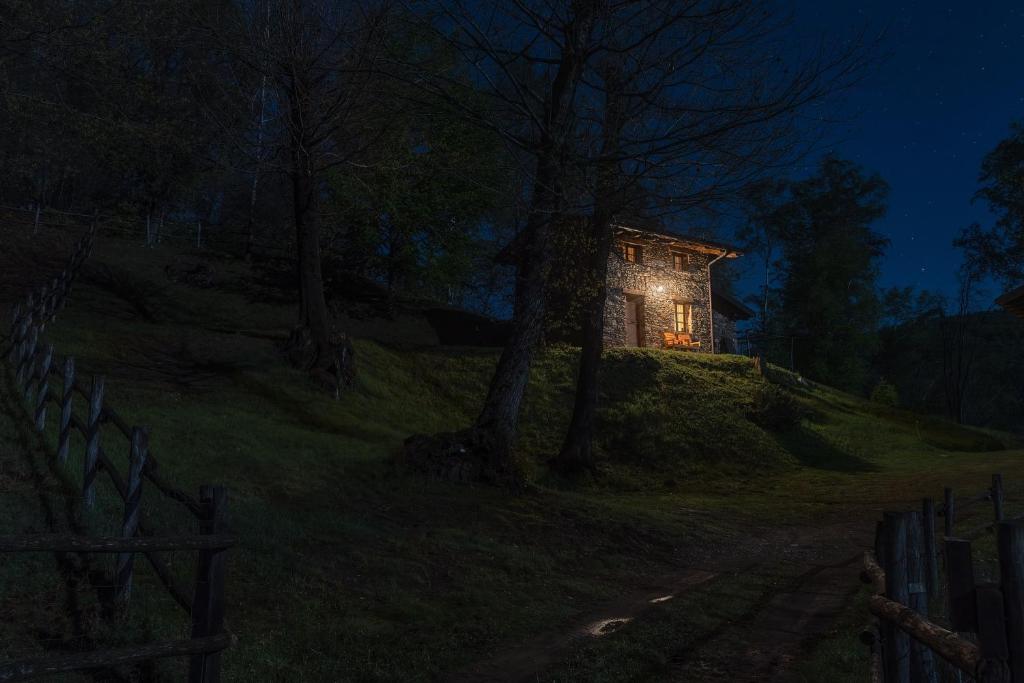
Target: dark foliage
{"x": 776, "y": 409}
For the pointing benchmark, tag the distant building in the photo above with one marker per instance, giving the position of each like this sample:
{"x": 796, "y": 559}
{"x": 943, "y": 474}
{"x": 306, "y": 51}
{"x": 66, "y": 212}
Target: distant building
{"x": 660, "y": 294}
{"x": 1013, "y": 301}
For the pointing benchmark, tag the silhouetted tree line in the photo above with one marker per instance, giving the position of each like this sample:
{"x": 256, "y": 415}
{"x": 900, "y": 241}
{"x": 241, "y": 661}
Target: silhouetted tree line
{"x": 821, "y": 308}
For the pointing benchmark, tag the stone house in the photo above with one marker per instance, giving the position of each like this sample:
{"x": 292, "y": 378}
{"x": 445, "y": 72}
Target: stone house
{"x": 661, "y": 282}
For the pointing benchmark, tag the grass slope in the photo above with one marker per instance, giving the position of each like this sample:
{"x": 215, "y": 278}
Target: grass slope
{"x": 350, "y": 569}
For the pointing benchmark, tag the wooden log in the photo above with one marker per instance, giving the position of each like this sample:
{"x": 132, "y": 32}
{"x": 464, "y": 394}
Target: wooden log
{"x": 873, "y": 574}
{"x": 64, "y": 440}
{"x": 182, "y": 595}
{"x": 958, "y": 651}
{"x": 208, "y": 608}
{"x": 92, "y": 448}
{"x": 960, "y": 581}
{"x": 991, "y": 635}
{"x": 64, "y": 543}
{"x": 43, "y": 393}
{"x": 922, "y": 665}
{"x": 130, "y": 523}
{"x": 997, "y": 497}
{"x": 27, "y": 669}
{"x": 1011, "y": 572}
{"x": 896, "y": 642}
{"x": 930, "y": 555}
{"x": 151, "y": 471}
{"x": 949, "y": 511}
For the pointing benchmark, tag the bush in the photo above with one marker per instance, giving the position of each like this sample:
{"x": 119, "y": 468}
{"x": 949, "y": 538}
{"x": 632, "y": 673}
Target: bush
{"x": 885, "y": 394}
{"x": 776, "y": 409}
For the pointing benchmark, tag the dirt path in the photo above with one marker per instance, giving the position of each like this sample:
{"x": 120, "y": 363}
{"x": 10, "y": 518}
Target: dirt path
{"x": 523, "y": 662}
{"x": 817, "y": 569}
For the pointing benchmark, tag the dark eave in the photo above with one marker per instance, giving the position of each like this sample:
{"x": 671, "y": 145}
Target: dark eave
{"x": 730, "y": 306}
{"x": 1013, "y": 301}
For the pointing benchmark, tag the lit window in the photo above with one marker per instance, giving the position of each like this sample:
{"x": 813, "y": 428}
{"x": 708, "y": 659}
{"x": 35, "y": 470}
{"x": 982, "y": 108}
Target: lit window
{"x": 631, "y": 253}
{"x": 683, "y": 311}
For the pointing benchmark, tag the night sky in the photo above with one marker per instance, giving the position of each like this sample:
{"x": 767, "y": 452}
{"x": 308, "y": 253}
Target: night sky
{"x": 946, "y": 94}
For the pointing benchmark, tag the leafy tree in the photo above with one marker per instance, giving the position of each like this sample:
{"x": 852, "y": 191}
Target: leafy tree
{"x": 97, "y": 105}
{"x": 999, "y": 251}
{"x": 415, "y": 214}
{"x": 829, "y": 294}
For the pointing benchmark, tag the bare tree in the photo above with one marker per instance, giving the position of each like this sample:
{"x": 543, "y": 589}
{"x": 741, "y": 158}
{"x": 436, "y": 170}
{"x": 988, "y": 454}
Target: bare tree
{"x": 705, "y": 103}
{"x": 529, "y": 59}
{"x": 694, "y": 113}
{"x": 958, "y": 350}
{"x": 312, "y": 64}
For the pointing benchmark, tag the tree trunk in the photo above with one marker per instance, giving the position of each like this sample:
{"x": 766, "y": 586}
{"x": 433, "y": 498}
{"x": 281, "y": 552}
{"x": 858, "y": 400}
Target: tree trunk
{"x": 577, "y": 452}
{"x": 499, "y": 418}
{"x": 484, "y": 451}
{"x": 310, "y": 344}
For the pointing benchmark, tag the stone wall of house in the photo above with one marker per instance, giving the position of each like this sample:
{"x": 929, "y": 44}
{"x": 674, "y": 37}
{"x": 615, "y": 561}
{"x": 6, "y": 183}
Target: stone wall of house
{"x": 725, "y": 334}
{"x": 660, "y": 285}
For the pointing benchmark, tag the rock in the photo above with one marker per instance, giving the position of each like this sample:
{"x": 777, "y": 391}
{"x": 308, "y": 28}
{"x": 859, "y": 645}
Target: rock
{"x": 197, "y": 275}
{"x": 464, "y": 457}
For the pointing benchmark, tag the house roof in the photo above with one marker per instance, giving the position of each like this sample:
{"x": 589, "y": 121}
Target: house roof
{"x": 1013, "y": 301}
{"x": 653, "y": 229}
{"x": 645, "y": 228}
{"x": 730, "y": 306}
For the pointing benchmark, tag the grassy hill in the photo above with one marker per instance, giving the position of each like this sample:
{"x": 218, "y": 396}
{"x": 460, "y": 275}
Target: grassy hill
{"x": 351, "y": 569}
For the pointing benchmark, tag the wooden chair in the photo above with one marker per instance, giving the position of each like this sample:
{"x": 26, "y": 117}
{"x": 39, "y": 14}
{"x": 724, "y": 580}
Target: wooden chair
{"x": 684, "y": 340}
{"x": 670, "y": 339}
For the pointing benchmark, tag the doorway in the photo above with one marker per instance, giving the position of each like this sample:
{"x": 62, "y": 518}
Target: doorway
{"x": 634, "y": 320}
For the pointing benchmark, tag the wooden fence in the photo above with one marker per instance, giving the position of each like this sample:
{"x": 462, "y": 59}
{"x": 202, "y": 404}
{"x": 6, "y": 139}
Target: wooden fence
{"x": 37, "y": 370}
{"x": 982, "y": 634}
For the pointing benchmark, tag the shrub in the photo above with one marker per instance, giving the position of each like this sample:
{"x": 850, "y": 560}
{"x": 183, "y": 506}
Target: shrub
{"x": 775, "y": 408}
{"x": 885, "y": 394}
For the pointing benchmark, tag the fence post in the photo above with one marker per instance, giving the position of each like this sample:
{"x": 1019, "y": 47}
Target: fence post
{"x": 31, "y": 366}
{"x": 960, "y": 577}
{"x": 92, "y": 448}
{"x": 922, "y": 663}
{"x": 949, "y": 511}
{"x": 17, "y": 341}
{"x": 44, "y": 388}
{"x": 997, "y": 497}
{"x": 880, "y": 543}
{"x": 930, "y": 557}
{"x": 130, "y": 524}
{"x": 208, "y": 603}
{"x": 991, "y": 635}
{"x": 28, "y": 358}
{"x": 897, "y": 643}
{"x": 64, "y": 444}
{"x": 15, "y": 330}
{"x": 54, "y": 298}
{"x": 1011, "y": 572}
{"x": 42, "y": 308}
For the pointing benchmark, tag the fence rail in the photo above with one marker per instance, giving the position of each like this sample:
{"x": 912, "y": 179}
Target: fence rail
{"x": 36, "y": 370}
{"x": 985, "y": 638}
